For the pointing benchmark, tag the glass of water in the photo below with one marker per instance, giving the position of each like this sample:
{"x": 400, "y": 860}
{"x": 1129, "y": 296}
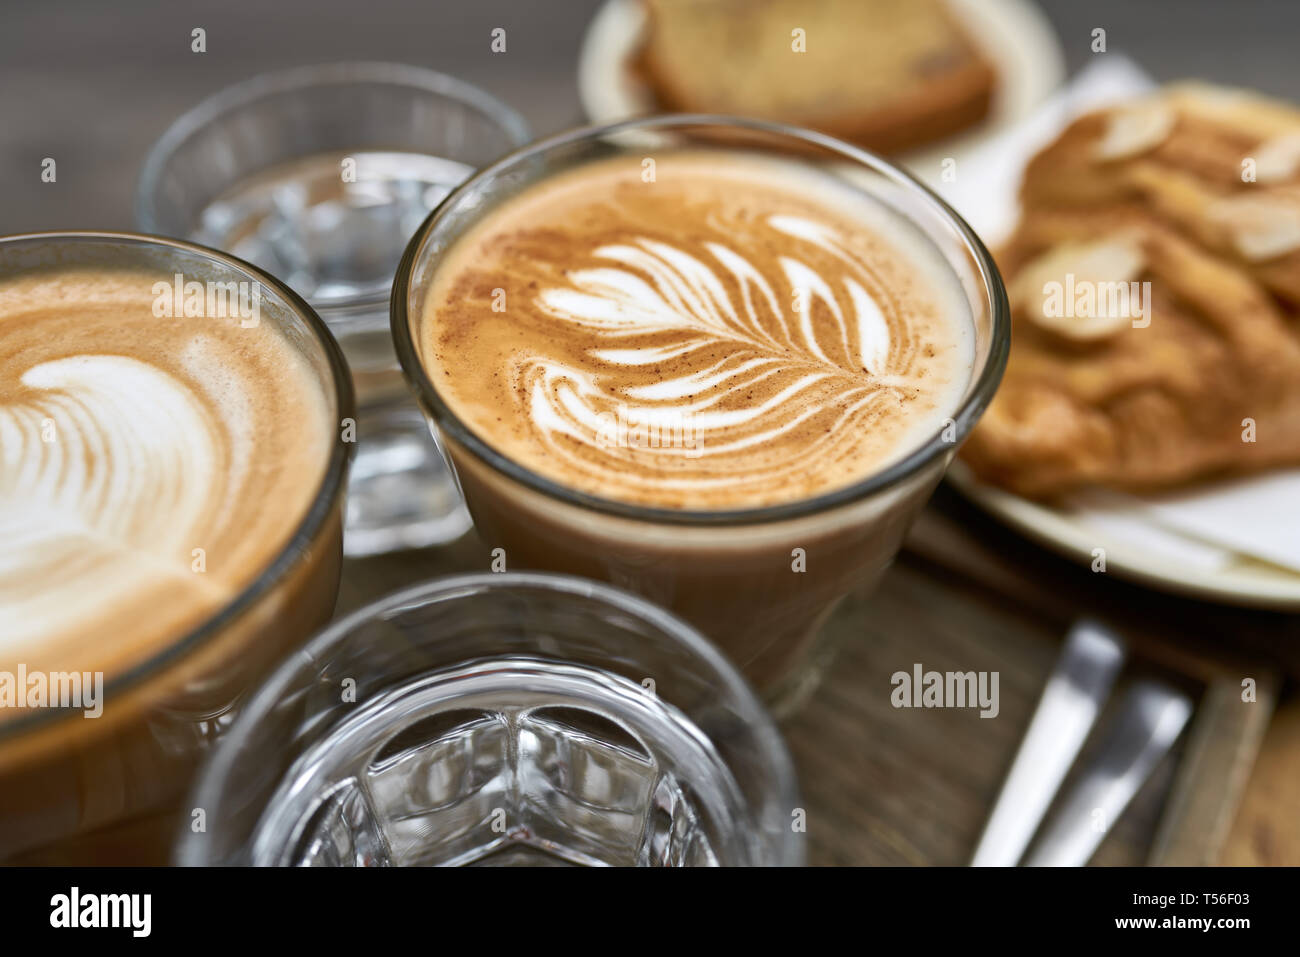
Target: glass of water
{"x": 320, "y": 175}
{"x": 500, "y": 719}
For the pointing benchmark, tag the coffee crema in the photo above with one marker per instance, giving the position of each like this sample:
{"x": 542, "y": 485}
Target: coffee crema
{"x": 715, "y": 330}
{"x": 152, "y": 467}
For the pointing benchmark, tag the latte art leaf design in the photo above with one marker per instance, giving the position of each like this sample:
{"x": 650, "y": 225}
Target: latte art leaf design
{"x": 700, "y": 357}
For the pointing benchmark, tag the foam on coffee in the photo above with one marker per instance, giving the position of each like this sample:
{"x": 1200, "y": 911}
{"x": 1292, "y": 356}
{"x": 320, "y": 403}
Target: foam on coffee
{"x": 739, "y": 331}
{"x": 150, "y": 468}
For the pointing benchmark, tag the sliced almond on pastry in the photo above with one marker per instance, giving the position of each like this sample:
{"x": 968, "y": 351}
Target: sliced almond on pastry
{"x": 1244, "y": 111}
{"x": 1073, "y": 289}
{"x": 1261, "y": 226}
{"x": 1135, "y": 129}
{"x": 1278, "y": 160}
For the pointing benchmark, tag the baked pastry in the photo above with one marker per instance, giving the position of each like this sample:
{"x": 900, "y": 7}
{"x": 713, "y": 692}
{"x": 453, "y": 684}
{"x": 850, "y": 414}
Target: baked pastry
{"x": 1220, "y": 165}
{"x": 1155, "y": 338}
{"x": 886, "y": 74}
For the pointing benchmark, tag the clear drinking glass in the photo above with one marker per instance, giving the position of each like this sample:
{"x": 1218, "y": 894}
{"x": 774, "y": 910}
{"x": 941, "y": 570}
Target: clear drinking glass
{"x": 514, "y": 718}
{"x": 78, "y": 791}
{"x": 729, "y": 573}
{"x": 320, "y": 175}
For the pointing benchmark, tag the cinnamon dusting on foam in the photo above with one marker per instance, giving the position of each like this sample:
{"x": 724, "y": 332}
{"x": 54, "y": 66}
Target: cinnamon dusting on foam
{"x": 676, "y": 306}
{"x": 127, "y": 442}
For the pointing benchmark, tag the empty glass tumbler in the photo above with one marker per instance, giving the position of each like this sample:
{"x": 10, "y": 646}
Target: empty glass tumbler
{"x": 515, "y": 718}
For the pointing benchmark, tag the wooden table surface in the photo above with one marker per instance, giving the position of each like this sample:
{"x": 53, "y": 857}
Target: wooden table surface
{"x": 93, "y": 84}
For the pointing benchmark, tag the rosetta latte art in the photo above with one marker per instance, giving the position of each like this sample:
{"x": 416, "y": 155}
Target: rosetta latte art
{"x": 846, "y": 371}
{"x": 696, "y": 342}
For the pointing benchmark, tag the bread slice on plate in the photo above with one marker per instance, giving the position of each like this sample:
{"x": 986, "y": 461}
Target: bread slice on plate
{"x": 889, "y": 75}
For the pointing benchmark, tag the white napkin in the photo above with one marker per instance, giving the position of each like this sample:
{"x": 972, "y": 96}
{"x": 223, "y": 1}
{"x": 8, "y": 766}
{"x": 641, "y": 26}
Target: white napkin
{"x": 1207, "y": 527}
{"x": 986, "y": 183}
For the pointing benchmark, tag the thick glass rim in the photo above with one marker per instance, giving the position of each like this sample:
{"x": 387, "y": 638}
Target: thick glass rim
{"x": 331, "y": 485}
{"x": 981, "y": 392}
{"x": 208, "y": 787}
{"x": 234, "y": 97}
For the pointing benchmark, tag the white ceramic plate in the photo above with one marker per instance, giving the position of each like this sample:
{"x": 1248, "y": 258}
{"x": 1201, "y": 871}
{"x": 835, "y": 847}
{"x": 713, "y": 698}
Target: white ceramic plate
{"x": 1014, "y": 35}
{"x": 1076, "y": 534}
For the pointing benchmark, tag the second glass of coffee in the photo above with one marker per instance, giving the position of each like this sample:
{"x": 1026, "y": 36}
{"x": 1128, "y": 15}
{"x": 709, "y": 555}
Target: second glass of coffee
{"x": 720, "y": 363}
{"x": 171, "y": 499}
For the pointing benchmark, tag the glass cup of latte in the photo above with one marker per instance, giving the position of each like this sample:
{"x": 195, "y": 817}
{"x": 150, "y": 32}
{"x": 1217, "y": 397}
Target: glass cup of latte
{"x": 171, "y": 487}
{"x": 320, "y": 175}
{"x": 500, "y": 719}
{"x": 718, "y": 362}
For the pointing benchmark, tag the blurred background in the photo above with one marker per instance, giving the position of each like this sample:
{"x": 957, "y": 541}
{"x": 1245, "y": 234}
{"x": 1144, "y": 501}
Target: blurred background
{"x": 93, "y": 84}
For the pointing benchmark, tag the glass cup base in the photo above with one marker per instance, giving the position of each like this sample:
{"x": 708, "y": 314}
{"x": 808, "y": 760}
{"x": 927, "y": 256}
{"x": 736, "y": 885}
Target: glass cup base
{"x": 400, "y": 493}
